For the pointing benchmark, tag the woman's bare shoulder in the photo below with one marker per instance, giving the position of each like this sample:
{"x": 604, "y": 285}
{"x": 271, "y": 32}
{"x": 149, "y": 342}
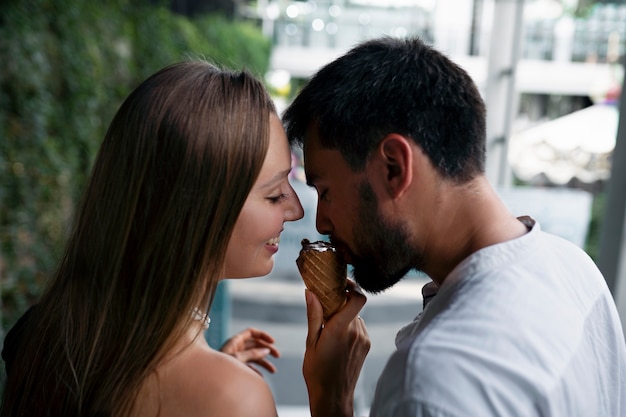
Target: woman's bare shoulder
{"x": 203, "y": 382}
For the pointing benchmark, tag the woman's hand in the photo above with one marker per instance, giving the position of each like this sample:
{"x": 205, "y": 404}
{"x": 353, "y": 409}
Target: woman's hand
{"x": 251, "y": 346}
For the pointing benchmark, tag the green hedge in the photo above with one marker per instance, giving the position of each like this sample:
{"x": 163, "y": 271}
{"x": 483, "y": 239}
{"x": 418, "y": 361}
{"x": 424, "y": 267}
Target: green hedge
{"x": 65, "y": 67}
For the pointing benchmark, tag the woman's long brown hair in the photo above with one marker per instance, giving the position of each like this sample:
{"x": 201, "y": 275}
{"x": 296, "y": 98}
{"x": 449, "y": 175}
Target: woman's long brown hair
{"x": 148, "y": 241}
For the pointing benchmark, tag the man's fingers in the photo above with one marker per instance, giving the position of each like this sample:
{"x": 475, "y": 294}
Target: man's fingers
{"x": 356, "y": 301}
{"x": 315, "y": 318}
{"x": 353, "y": 287}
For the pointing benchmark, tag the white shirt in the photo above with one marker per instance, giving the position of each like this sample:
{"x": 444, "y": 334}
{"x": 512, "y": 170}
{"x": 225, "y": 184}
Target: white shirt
{"x": 527, "y": 327}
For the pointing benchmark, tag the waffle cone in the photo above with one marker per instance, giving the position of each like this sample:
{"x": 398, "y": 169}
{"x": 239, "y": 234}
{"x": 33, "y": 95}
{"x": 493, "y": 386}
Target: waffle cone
{"x": 324, "y": 273}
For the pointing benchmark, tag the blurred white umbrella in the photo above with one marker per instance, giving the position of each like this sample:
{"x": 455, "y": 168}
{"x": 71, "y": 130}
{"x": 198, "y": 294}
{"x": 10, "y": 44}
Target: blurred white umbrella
{"x": 578, "y": 145}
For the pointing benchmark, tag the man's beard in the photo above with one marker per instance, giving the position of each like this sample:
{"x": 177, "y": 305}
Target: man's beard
{"x": 386, "y": 253}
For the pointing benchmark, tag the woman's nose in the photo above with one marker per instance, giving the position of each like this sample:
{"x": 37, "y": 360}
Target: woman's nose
{"x": 295, "y": 212}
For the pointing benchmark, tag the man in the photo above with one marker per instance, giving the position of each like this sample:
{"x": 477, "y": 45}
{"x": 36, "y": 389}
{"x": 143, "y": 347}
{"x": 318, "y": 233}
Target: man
{"x": 523, "y": 323}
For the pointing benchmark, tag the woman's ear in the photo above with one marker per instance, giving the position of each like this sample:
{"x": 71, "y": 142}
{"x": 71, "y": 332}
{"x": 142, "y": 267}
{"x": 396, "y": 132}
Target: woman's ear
{"x": 396, "y": 155}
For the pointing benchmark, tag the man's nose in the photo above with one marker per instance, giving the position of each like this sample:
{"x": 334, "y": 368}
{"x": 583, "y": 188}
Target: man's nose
{"x": 322, "y": 222}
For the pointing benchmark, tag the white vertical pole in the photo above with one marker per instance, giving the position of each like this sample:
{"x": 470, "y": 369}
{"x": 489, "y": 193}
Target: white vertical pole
{"x": 500, "y": 96}
{"x": 612, "y": 256}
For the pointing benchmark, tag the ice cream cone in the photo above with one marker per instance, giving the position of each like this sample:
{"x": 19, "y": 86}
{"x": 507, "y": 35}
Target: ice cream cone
{"x": 323, "y": 272}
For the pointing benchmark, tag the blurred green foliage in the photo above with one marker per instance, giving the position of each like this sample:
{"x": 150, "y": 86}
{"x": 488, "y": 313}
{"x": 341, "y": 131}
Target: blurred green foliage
{"x": 65, "y": 67}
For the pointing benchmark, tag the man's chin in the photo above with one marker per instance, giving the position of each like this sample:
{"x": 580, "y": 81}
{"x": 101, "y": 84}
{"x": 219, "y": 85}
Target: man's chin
{"x": 376, "y": 283}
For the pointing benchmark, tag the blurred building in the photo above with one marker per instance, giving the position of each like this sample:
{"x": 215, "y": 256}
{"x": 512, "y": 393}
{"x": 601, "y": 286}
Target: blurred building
{"x": 559, "y": 63}
{"x": 535, "y": 61}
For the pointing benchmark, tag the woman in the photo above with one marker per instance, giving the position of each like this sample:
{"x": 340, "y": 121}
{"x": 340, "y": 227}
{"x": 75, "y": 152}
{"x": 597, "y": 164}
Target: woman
{"x": 190, "y": 186}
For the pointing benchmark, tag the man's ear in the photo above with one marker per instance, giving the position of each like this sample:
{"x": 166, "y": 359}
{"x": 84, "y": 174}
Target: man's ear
{"x": 396, "y": 155}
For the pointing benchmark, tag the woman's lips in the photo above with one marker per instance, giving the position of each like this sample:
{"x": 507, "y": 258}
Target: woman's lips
{"x": 272, "y": 244}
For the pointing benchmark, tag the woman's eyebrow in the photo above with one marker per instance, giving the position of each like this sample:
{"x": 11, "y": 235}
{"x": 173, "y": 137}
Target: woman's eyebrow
{"x": 276, "y": 178}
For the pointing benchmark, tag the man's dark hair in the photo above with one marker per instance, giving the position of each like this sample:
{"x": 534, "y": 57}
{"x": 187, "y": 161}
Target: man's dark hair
{"x": 390, "y": 85}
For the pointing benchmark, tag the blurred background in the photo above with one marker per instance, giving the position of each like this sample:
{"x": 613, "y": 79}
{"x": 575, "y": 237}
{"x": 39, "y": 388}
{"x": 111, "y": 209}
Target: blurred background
{"x": 551, "y": 72}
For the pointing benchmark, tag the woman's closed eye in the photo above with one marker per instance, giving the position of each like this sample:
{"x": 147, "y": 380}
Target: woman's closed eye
{"x": 277, "y": 199}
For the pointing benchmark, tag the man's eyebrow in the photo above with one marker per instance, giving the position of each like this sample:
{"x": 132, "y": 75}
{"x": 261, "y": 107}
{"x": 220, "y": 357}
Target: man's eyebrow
{"x": 276, "y": 178}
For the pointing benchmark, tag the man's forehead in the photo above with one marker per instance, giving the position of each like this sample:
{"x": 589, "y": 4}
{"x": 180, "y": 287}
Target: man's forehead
{"x": 312, "y": 144}
{"x": 311, "y": 167}
{"x": 316, "y": 158}
{"x": 311, "y": 135}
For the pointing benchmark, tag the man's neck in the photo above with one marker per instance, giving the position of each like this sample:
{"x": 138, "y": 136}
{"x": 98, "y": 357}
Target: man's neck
{"x": 467, "y": 218}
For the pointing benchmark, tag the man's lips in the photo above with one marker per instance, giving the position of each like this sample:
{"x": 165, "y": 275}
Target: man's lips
{"x": 343, "y": 251}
